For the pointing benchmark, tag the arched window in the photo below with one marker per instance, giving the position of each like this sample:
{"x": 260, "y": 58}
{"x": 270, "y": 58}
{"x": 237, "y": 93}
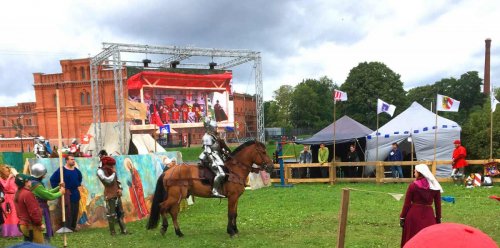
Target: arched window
{"x": 88, "y": 98}
{"x": 4, "y": 123}
{"x": 82, "y": 98}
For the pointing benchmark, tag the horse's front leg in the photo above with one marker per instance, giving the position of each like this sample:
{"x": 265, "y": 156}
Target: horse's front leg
{"x": 232, "y": 213}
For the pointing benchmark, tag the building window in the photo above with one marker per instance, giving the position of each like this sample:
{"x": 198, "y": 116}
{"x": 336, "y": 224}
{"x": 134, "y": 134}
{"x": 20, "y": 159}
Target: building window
{"x": 55, "y": 100}
{"x": 88, "y": 98}
{"x": 82, "y": 72}
{"x": 82, "y": 98}
{"x": 4, "y": 123}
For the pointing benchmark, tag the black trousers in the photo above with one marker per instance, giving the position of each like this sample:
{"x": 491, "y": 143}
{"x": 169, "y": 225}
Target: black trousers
{"x": 72, "y": 215}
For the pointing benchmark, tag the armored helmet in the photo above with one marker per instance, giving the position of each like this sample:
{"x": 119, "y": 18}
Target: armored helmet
{"x": 38, "y": 170}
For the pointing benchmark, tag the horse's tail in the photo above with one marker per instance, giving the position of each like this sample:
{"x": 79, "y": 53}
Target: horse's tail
{"x": 159, "y": 197}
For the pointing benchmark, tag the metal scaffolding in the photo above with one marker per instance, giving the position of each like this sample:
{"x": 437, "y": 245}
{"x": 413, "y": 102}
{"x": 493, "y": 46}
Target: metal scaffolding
{"x": 111, "y": 58}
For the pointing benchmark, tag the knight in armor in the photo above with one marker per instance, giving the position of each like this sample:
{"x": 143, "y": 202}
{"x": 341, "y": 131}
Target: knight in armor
{"x": 42, "y": 194}
{"x": 215, "y": 152}
{"x": 39, "y": 149}
{"x": 112, "y": 192}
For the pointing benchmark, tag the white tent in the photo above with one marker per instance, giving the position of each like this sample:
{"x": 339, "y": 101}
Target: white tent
{"x": 418, "y": 123}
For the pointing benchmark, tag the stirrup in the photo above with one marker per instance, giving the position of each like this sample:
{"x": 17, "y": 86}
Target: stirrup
{"x": 215, "y": 193}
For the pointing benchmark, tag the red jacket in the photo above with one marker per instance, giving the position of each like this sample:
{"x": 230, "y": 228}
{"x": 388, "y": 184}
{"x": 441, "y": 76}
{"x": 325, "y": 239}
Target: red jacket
{"x": 459, "y": 155}
{"x": 28, "y": 210}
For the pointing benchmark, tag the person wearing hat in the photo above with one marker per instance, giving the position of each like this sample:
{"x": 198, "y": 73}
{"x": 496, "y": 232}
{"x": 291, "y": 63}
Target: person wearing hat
{"x": 28, "y": 210}
{"x": 417, "y": 212}
{"x": 112, "y": 192}
{"x": 458, "y": 160}
{"x": 42, "y": 194}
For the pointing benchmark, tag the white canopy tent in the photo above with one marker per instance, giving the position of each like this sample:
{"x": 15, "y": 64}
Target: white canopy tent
{"x": 418, "y": 123}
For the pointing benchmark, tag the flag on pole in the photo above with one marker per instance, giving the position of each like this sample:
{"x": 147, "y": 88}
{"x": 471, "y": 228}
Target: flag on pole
{"x": 383, "y": 107}
{"x": 446, "y": 103}
{"x": 494, "y": 102}
{"x": 339, "y": 96}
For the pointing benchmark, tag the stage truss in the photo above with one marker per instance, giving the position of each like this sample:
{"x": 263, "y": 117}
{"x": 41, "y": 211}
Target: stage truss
{"x": 111, "y": 58}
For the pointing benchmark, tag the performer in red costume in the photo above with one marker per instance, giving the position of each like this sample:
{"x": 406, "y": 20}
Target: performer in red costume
{"x": 184, "y": 110}
{"x": 458, "y": 162}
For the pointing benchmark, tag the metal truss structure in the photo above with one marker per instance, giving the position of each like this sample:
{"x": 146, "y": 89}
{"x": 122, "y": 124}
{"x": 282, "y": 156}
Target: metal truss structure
{"x": 172, "y": 56}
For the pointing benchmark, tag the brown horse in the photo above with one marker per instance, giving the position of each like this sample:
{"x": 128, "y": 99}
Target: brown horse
{"x": 180, "y": 181}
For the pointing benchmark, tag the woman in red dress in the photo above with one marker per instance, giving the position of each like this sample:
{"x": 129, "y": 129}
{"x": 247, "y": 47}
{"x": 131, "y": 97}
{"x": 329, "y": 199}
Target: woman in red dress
{"x": 417, "y": 212}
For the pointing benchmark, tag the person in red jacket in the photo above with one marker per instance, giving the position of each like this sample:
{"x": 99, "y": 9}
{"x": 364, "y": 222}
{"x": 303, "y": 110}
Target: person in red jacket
{"x": 28, "y": 210}
{"x": 458, "y": 159}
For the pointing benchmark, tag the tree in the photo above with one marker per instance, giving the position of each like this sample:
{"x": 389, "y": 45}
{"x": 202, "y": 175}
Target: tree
{"x": 283, "y": 98}
{"x": 270, "y": 116}
{"x": 367, "y": 82}
{"x": 466, "y": 89}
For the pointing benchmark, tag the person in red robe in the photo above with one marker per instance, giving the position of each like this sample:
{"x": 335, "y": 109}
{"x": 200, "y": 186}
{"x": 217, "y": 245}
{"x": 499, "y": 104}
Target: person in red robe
{"x": 417, "y": 212}
{"x": 184, "y": 110}
{"x": 197, "y": 110}
{"x": 136, "y": 190}
{"x": 175, "y": 114}
{"x": 458, "y": 159}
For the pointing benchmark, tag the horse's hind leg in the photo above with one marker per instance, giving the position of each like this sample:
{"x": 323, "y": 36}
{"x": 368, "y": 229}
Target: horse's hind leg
{"x": 174, "y": 211}
{"x": 164, "y": 225}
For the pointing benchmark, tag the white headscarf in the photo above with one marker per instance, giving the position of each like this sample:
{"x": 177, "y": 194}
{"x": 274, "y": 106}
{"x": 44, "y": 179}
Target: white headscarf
{"x": 433, "y": 183}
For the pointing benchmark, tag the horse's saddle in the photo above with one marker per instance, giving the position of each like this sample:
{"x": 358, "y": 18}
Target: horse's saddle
{"x": 207, "y": 175}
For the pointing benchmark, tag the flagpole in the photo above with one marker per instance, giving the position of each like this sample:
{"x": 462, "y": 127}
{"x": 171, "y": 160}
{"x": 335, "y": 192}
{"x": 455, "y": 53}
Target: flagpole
{"x": 334, "y": 127}
{"x": 491, "y": 124}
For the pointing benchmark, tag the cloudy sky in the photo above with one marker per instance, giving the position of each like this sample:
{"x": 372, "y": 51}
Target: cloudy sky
{"x": 423, "y": 41}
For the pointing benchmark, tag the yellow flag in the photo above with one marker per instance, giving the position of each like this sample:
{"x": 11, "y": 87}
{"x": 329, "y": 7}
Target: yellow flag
{"x": 135, "y": 110}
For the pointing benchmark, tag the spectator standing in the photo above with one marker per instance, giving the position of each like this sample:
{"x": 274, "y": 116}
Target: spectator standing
{"x": 8, "y": 182}
{"x": 458, "y": 159}
{"x": 395, "y": 155}
{"x": 305, "y": 158}
{"x": 323, "y": 154}
{"x": 352, "y": 156}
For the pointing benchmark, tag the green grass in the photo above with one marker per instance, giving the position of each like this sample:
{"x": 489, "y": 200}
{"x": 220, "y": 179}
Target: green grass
{"x": 192, "y": 153}
{"x": 302, "y": 216}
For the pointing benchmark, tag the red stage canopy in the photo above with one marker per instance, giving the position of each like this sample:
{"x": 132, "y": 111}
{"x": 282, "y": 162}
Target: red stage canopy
{"x": 169, "y": 80}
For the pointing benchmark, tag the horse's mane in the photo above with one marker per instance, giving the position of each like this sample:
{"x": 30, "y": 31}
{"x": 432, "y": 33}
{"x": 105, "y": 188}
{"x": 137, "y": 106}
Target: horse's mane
{"x": 245, "y": 145}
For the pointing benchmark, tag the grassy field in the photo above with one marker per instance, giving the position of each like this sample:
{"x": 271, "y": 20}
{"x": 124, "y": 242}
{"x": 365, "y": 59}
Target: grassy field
{"x": 302, "y": 216}
{"x": 192, "y": 153}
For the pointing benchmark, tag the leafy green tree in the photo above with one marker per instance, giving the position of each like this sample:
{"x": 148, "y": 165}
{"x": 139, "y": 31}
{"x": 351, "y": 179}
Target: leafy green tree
{"x": 270, "y": 116}
{"x": 283, "y": 98}
{"x": 367, "y": 82}
{"x": 312, "y": 104}
{"x": 476, "y": 133}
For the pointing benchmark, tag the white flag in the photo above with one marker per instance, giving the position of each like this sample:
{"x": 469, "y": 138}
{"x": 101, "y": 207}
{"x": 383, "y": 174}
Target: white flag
{"x": 339, "y": 96}
{"x": 446, "y": 103}
{"x": 494, "y": 102}
{"x": 383, "y": 107}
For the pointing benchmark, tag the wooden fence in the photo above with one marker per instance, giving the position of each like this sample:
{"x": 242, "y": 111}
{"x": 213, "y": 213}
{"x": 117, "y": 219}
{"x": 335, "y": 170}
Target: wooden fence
{"x": 379, "y": 172}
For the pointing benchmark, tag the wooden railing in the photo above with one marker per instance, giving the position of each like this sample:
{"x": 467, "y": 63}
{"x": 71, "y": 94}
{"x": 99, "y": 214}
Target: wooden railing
{"x": 379, "y": 171}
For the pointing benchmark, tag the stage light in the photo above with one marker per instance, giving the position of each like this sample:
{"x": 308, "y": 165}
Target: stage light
{"x": 174, "y": 64}
{"x": 146, "y": 62}
{"x": 212, "y": 65}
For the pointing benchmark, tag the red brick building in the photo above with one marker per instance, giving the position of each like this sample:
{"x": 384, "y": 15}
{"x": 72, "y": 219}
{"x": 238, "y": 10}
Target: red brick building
{"x": 40, "y": 117}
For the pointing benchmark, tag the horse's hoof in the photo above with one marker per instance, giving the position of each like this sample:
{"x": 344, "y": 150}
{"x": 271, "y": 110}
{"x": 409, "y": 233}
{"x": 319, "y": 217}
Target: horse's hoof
{"x": 179, "y": 233}
{"x": 163, "y": 231}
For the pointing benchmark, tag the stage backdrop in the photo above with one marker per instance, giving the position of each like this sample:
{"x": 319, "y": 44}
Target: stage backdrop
{"x": 137, "y": 174}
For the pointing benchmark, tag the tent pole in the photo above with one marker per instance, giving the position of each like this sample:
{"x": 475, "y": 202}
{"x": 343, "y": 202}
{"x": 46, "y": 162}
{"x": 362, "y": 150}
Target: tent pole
{"x": 411, "y": 148}
{"x": 61, "y": 175}
{"x": 435, "y": 142}
{"x": 376, "y": 137}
